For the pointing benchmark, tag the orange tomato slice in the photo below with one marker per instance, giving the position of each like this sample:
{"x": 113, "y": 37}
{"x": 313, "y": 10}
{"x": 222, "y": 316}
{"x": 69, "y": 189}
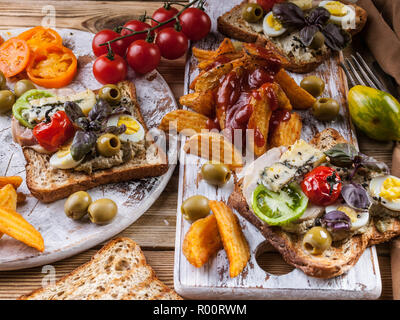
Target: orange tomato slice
{"x": 14, "y": 56}
{"x": 52, "y": 66}
{"x": 40, "y": 36}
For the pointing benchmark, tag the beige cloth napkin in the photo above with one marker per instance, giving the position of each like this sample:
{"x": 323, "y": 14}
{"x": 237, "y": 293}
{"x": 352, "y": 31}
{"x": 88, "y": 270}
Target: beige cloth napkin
{"x": 382, "y": 33}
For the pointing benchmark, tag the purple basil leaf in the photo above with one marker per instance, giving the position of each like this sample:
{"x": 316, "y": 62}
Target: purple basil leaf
{"x": 355, "y": 196}
{"x": 336, "y": 221}
{"x": 289, "y": 15}
{"x": 336, "y": 38}
{"x": 318, "y": 16}
{"x": 307, "y": 34}
{"x": 372, "y": 164}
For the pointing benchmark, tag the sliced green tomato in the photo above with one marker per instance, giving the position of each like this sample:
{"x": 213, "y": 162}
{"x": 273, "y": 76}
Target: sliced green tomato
{"x": 23, "y": 103}
{"x": 279, "y": 208}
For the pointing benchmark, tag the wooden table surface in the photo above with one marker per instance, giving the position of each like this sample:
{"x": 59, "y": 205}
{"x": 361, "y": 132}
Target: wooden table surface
{"x": 155, "y": 230}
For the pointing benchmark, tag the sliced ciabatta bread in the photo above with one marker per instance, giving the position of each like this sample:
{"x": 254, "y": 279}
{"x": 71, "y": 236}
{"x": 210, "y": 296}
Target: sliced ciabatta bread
{"x": 49, "y": 184}
{"x": 294, "y": 55}
{"x": 117, "y": 272}
{"x": 337, "y": 259}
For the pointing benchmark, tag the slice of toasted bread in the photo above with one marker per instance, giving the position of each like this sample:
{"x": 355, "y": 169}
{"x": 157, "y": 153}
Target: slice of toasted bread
{"x": 334, "y": 261}
{"x": 233, "y": 25}
{"x": 48, "y": 184}
{"x": 118, "y": 271}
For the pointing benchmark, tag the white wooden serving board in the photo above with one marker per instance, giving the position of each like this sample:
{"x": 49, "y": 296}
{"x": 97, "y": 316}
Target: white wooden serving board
{"x": 64, "y": 237}
{"x": 212, "y": 281}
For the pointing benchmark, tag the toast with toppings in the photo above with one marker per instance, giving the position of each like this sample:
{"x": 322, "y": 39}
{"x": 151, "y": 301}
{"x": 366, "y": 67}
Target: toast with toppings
{"x": 342, "y": 254}
{"x": 294, "y": 55}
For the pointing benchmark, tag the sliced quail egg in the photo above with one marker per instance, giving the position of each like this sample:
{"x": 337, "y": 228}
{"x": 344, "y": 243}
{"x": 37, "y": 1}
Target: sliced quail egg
{"x": 272, "y": 27}
{"x": 387, "y": 190}
{"x": 134, "y": 130}
{"x": 341, "y": 14}
{"x": 358, "y": 218}
{"x": 62, "y": 159}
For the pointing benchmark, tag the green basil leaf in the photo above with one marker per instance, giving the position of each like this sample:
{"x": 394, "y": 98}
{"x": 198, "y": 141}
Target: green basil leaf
{"x": 342, "y": 155}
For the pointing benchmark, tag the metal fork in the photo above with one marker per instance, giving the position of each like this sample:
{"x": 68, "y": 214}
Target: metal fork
{"x": 363, "y": 75}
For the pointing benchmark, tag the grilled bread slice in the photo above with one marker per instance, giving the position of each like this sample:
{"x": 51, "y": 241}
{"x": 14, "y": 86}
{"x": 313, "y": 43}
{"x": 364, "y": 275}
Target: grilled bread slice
{"x": 117, "y": 272}
{"x": 334, "y": 261}
{"x": 48, "y": 184}
{"x": 295, "y": 57}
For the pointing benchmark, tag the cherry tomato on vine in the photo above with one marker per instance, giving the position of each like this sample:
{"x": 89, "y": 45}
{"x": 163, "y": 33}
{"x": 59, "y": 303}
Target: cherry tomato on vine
{"x": 268, "y": 4}
{"x": 143, "y": 56}
{"x": 173, "y": 44}
{"x": 135, "y": 25}
{"x": 322, "y": 186}
{"x": 162, "y": 14}
{"x": 118, "y": 47}
{"x": 108, "y": 70}
{"x": 195, "y": 23}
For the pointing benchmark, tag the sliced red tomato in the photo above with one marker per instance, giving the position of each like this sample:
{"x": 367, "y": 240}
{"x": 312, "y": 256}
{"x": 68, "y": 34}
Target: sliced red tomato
{"x": 14, "y": 56}
{"x": 51, "y": 135}
{"x": 52, "y": 66}
{"x": 40, "y": 36}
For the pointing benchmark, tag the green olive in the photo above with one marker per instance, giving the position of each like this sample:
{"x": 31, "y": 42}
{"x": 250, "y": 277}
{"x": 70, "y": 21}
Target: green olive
{"x": 215, "y": 173}
{"x": 23, "y": 86}
{"x": 313, "y": 85}
{"x": 252, "y": 12}
{"x": 325, "y": 109}
{"x": 108, "y": 145}
{"x": 110, "y": 93}
{"x": 317, "y": 240}
{"x": 7, "y": 100}
{"x": 77, "y": 205}
{"x": 195, "y": 207}
{"x": 102, "y": 211}
{"x": 318, "y": 41}
{"x": 3, "y": 81}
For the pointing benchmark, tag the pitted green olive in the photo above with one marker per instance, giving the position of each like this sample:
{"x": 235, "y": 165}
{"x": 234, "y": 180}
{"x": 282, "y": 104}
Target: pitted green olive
{"x": 252, "y": 12}
{"x": 317, "y": 240}
{"x": 318, "y": 41}
{"x": 325, "y": 109}
{"x": 23, "y": 86}
{"x": 3, "y": 81}
{"x": 215, "y": 173}
{"x": 110, "y": 93}
{"x": 313, "y": 85}
{"x": 195, "y": 207}
{"x": 77, "y": 205}
{"x": 108, "y": 145}
{"x": 102, "y": 211}
{"x": 7, "y": 100}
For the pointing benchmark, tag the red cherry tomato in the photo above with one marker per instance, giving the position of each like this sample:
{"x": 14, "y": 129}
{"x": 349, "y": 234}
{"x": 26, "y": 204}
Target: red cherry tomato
{"x": 173, "y": 44}
{"x": 322, "y": 186}
{"x": 143, "y": 56}
{"x": 135, "y": 25}
{"x": 196, "y": 24}
{"x": 110, "y": 71}
{"x": 268, "y": 4}
{"x": 52, "y": 135}
{"x": 162, "y": 15}
{"x": 118, "y": 47}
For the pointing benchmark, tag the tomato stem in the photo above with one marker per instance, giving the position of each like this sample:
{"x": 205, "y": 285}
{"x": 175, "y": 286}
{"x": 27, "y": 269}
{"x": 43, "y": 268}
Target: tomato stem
{"x": 160, "y": 24}
{"x": 110, "y": 53}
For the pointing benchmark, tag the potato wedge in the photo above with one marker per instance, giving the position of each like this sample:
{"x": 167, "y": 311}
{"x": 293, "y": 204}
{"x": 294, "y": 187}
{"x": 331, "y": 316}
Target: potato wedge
{"x": 201, "y": 102}
{"x": 8, "y": 197}
{"x": 202, "y": 241}
{"x": 299, "y": 98}
{"x": 287, "y": 132}
{"x": 179, "y": 120}
{"x": 211, "y": 79}
{"x": 201, "y": 54}
{"x": 14, "y": 180}
{"x": 213, "y": 146}
{"x": 219, "y": 59}
{"x": 283, "y": 100}
{"x": 233, "y": 239}
{"x": 14, "y": 225}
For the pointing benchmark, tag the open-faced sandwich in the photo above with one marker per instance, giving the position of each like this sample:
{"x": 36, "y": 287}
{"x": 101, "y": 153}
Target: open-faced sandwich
{"x": 320, "y": 204}
{"x": 302, "y": 35}
{"x": 83, "y": 140}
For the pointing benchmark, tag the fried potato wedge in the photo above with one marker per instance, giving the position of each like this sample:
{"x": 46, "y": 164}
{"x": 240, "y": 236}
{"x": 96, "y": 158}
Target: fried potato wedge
{"x": 222, "y": 58}
{"x": 8, "y": 197}
{"x": 233, "y": 239}
{"x": 14, "y": 225}
{"x": 202, "y": 241}
{"x": 201, "y": 54}
{"x": 210, "y": 79}
{"x": 201, "y": 102}
{"x": 181, "y": 120}
{"x": 283, "y": 100}
{"x": 287, "y": 132}
{"x": 14, "y": 180}
{"x": 299, "y": 98}
{"x": 213, "y": 146}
